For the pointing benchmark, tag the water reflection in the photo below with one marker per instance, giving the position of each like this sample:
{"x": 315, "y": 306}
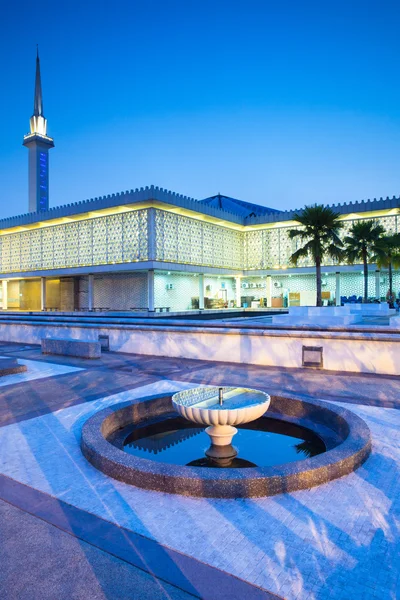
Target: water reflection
{"x": 265, "y": 442}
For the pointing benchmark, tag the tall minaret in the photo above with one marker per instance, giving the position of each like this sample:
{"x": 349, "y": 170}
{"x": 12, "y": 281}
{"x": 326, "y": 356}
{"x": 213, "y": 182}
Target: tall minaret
{"x": 39, "y": 144}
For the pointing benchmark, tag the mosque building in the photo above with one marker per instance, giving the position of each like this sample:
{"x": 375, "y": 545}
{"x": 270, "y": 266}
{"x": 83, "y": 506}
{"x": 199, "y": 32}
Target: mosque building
{"x": 151, "y": 249}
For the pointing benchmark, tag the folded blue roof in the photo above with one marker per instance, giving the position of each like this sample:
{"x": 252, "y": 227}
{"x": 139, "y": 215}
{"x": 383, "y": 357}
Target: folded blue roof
{"x": 238, "y": 207}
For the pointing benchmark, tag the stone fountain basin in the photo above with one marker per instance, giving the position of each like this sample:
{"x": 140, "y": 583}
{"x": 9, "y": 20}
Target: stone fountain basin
{"x": 347, "y": 438}
{"x": 240, "y": 405}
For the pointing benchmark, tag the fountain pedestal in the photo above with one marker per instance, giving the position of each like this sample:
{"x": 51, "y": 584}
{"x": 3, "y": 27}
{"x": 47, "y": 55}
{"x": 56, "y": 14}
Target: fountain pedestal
{"x": 221, "y": 435}
{"x": 221, "y": 409}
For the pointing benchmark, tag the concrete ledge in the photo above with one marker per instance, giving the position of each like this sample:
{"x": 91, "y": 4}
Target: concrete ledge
{"x": 10, "y": 366}
{"x": 395, "y": 322}
{"x": 327, "y": 321}
{"x": 350, "y": 449}
{"x": 71, "y": 347}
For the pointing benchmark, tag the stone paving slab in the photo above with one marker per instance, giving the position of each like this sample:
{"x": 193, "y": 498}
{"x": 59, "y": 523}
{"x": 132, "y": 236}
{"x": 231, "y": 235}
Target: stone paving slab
{"x": 36, "y": 370}
{"x": 162, "y": 563}
{"x": 340, "y": 540}
{"x": 60, "y": 386}
{"x": 118, "y": 371}
{"x": 58, "y": 566}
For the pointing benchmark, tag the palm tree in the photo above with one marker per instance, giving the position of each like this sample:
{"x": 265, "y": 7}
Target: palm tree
{"x": 320, "y": 232}
{"x": 360, "y": 245}
{"x": 387, "y": 255}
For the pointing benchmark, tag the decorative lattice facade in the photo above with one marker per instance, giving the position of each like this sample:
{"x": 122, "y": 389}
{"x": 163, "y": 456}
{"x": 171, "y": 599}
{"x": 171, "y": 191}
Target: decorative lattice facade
{"x": 154, "y": 234}
{"x": 118, "y": 238}
{"x": 272, "y": 248}
{"x": 184, "y": 240}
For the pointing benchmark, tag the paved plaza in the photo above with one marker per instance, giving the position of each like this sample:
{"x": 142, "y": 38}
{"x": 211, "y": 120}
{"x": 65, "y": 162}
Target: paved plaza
{"x": 68, "y": 531}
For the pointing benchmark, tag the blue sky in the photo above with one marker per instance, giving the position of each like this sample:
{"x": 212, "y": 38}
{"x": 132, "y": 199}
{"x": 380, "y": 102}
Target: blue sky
{"x": 279, "y": 103}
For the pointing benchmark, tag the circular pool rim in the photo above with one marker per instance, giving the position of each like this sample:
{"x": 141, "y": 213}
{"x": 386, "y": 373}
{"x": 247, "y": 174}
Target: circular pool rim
{"x": 346, "y": 436}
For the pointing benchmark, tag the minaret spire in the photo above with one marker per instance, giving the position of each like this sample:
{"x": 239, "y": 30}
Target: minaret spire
{"x": 38, "y": 122}
{"x": 39, "y": 144}
{"x": 38, "y": 100}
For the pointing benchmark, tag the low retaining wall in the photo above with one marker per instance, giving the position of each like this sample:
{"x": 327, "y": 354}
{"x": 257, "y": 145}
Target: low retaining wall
{"x": 342, "y": 351}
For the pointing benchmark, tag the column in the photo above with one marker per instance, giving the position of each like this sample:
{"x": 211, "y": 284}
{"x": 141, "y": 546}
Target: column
{"x": 42, "y": 293}
{"x": 377, "y": 284}
{"x": 150, "y": 289}
{"x": 5, "y": 293}
{"x": 238, "y": 292}
{"x": 90, "y": 292}
{"x": 268, "y": 290}
{"x": 337, "y": 293}
{"x": 201, "y": 291}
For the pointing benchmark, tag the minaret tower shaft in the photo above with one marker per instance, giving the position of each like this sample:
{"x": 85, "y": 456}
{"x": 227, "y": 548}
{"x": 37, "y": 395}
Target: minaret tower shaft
{"x": 39, "y": 144}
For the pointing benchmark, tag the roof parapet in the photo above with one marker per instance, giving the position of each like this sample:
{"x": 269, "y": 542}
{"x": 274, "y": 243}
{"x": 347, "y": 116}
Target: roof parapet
{"x": 342, "y": 209}
{"x": 149, "y": 193}
{"x": 137, "y": 195}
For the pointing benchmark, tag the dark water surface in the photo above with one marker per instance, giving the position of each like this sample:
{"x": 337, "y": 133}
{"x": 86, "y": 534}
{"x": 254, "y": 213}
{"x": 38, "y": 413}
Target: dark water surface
{"x": 262, "y": 443}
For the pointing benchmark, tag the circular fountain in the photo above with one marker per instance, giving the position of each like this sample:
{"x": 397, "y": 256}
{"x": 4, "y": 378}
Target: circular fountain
{"x": 221, "y": 408}
{"x": 286, "y": 443}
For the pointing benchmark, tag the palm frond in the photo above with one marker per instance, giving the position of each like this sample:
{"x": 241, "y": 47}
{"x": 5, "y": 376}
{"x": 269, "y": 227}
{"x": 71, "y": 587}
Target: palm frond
{"x": 300, "y": 253}
{"x": 319, "y": 228}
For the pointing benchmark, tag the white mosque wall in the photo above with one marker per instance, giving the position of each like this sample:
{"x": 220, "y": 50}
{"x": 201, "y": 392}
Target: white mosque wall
{"x": 117, "y": 291}
{"x": 175, "y": 291}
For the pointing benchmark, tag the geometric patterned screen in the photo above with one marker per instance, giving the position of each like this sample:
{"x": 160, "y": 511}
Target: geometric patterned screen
{"x": 110, "y": 239}
{"x": 123, "y": 238}
{"x": 184, "y": 240}
{"x": 272, "y": 248}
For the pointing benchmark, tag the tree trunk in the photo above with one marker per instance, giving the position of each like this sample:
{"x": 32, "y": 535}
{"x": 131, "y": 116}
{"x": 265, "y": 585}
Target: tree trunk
{"x": 365, "y": 261}
{"x": 319, "y": 282}
{"x": 390, "y": 277}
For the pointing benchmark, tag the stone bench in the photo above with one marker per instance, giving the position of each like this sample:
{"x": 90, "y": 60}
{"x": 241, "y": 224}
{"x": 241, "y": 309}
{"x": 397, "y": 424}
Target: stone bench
{"x": 71, "y": 347}
{"x": 10, "y": 366}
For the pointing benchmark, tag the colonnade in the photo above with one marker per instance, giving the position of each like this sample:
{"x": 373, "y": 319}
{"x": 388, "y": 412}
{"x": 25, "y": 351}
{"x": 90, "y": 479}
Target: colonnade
{"x": 201, "y": 290}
